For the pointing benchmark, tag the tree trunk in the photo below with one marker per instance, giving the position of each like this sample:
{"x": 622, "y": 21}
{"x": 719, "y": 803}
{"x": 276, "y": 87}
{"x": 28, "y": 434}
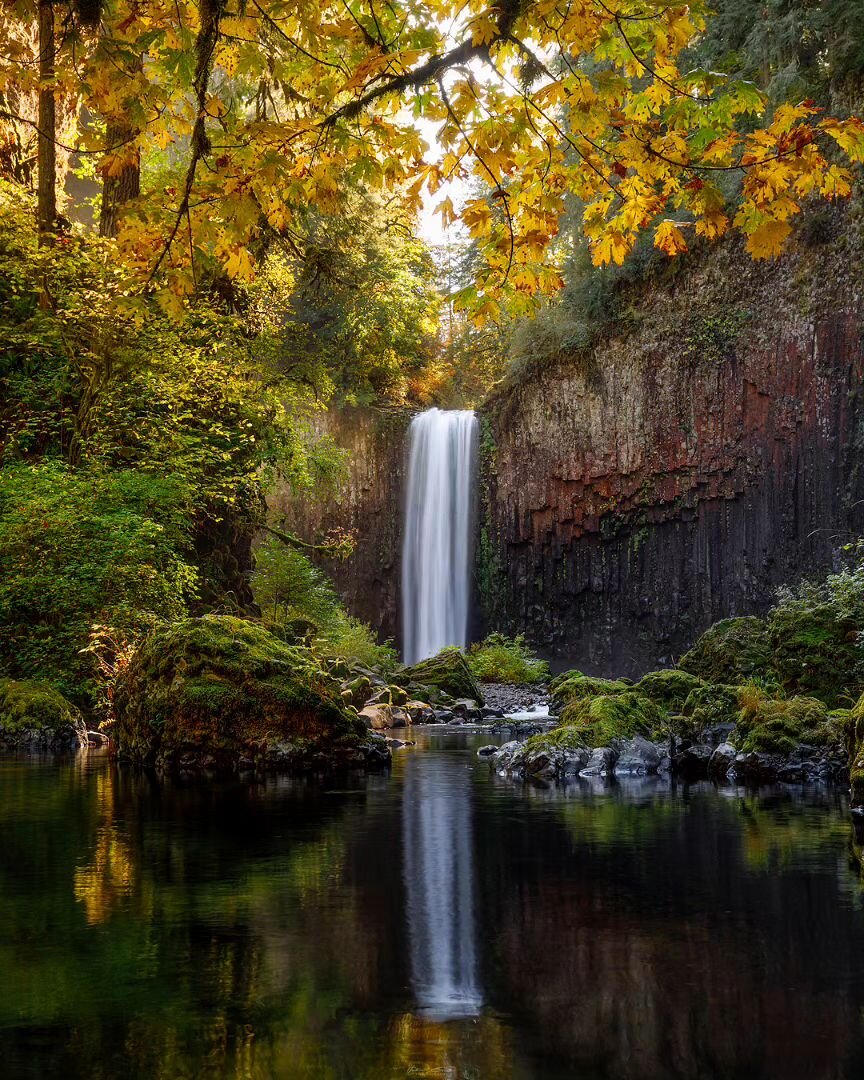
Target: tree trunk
{"x": 47, "y": 152}
{"x": 117, "y": 190}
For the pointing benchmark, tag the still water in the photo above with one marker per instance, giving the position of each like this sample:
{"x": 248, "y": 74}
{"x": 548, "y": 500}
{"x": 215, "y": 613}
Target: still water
{"x": 438, "y": 922}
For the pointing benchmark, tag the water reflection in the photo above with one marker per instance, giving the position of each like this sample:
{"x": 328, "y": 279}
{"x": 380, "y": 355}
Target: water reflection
{"x": 439, "y": 882}
{"x": 436, "y": 923}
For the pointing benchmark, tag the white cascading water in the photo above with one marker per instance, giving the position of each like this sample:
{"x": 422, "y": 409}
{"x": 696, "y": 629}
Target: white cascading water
{"x": 437, "y": 545}
{"x": 439, "y": 885}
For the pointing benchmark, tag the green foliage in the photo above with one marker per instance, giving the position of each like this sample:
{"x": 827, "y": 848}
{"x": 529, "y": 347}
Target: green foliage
{"x": 27, "y": 706}
{"x": 81, "y": 547}
{"x": 815, "y": 633}
{"x": 499, "y": 659}
{"x": 730, "y": 651}
{"x": 299, "y": 600}
{"x": 615, "y": 716}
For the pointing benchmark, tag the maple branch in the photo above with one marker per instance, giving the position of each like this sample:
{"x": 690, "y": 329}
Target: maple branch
{"x": 432, "y": 69}
{"x": 205, "y": 46}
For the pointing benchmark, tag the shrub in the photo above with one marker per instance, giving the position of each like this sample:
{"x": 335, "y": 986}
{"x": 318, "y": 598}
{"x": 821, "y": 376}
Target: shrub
{"x": 299, "y": 602}
{"x": 499, "y": 659}
{"x": 78, "y": 548}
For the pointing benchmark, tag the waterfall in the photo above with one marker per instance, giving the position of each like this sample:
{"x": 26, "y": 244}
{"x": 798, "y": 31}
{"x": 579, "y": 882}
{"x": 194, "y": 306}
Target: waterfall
{"x": 439, "y": 884}
{"x": 437, "y": 547}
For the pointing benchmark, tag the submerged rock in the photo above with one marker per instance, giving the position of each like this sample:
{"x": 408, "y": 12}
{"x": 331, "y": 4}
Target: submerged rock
{"x": 223, "y": 693}
{"x": 35, "y": 716}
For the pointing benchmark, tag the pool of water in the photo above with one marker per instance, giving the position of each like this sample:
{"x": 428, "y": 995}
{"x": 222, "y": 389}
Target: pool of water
{"x": 438, "y": 922}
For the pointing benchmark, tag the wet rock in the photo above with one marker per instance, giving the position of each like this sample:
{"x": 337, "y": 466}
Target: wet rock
{"x": 506, "y": 754}
{"x": 487, "y": 751}
{"x": 420, "y": 712}
{"x": 637, "y": 757}
{"x": 601, "y": 762}
{"x": 692, "y": 763}
{"x": 721, "y": 760}
{"x": 442, "y": 716}
{"x": 574, "y": 761}
{"x": 467, "y": 708}
{"x": 384, "y": 717}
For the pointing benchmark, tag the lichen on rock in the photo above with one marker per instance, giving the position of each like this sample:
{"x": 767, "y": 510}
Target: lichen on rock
{"x": 35, "y": 716}
{"x": 224, "y": 693}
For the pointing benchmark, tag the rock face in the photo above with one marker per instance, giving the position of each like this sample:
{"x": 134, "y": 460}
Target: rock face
{"x": 34, "y": 716}
{"x": 685, "y": 467}
{"x": 223, "y": 693}
{"x": 369, "y": 502}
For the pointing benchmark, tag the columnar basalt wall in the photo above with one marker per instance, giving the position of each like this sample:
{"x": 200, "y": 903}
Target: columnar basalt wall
{"x": 681, "y": 470}
{"x": 369, "y": 503}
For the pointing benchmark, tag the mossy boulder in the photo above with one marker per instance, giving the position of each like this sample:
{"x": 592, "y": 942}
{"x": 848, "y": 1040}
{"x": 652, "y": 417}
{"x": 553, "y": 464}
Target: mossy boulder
{"x": 448, "y": 672}
{"x": 669, "y": 688}
{"x": 578, "y": 686}
{"x": 224, "y": 693}
{"x": 816, "y": 651}
{"x": 779, "y": 725}
{"x": 609, "y": 717}
{"x": 35, "y": 716}
{"x": 730, "y": 651}
{"x": 709, "y": 704}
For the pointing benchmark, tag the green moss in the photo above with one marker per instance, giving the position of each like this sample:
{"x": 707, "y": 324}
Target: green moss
{"x": 778, "y": 725}
{"x": 669, "y": 688}
{"x": 711, "y": 703}
{"x": 615, "y": 716}
{"x": 562, "y": 738}
{"x": 730, "y": 651}
{"x": 36, "y": 714}
{"x": 448, "y": 671}
{"x": 218, "y": 689}
{"x": 816, "y": 650}
{"x": 578, "y": 687}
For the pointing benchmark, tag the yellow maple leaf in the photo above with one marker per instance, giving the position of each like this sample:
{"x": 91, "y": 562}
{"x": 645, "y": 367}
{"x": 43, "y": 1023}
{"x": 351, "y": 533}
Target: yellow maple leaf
{"x": 766, "y": 241}
{"x": 669, "y": 238}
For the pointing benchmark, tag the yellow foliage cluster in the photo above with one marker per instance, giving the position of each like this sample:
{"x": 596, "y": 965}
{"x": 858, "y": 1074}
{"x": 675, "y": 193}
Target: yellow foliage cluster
{"x": 300, "y": 102}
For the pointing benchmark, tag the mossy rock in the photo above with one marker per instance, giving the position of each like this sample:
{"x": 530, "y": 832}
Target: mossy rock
{"x": 560, "y": 738}
{"x": 578, "y": 687}
{"x": 222, "y": 692}
{"x": 669, "y": 688}
{"x": 730, "y": 651}
{"x": 615, "y": 716}
{"x": 35, "y": 716}
{"x": 815, "y": 652}
{"x": 779, "y": 725}
{"x": 448, "y": 672}
{"x": 855, "y": 749}
{"x": 711, "y": 703}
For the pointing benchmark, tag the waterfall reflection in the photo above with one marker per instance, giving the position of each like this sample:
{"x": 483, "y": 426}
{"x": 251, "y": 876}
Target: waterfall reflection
{"x": 439, "y": 881}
